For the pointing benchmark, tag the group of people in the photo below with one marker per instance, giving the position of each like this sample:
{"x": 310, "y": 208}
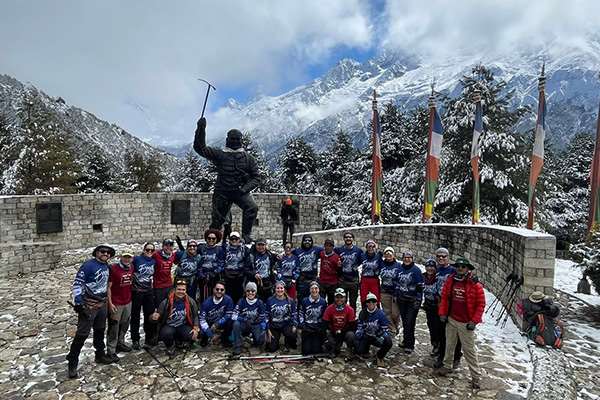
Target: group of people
{"x": 221, "y": 291}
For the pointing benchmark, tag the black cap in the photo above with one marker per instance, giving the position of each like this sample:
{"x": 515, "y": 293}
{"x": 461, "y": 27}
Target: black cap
{"x": 261, "y": 241}
{"x": 168, "y": 242}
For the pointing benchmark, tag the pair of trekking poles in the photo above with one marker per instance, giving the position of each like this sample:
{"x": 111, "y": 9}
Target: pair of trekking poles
{"x": 509, "y": 292}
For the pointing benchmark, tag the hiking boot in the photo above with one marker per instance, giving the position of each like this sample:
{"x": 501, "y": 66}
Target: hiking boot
{"x": 475, "y": 384}
{"x": 113, "y": 357}
{"x": 408, "y": 351}
{"x": 401, "y": 344}
{"x": 438, "y": 364}
{"x": 123, "y": 348}
{"x": 102, "y": 358}
{"x": 455, "y": 364}
{"x": 285, "y": 350}
{"x": 236, "y": 352}
{"x": 171, "y": 351}
{"x": 380, "y": 363}
{"x": 72, "y": 369}
{"x": 435, "y": 351}
{"x": 443, "y": 371}
{"x": 136, "y": 345}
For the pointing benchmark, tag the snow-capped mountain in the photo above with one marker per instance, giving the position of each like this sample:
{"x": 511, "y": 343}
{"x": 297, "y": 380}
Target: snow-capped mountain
{"x": 86, "y": 128}
{"x": 342, "y": 97}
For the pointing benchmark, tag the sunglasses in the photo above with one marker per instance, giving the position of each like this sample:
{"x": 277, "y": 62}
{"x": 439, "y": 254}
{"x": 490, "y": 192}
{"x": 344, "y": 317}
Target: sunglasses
{"x": 219, "y": 290}
{"x": 442, "y": 256}
{"x": 371, "y": 301}
{"x": 461, "y": 266}
{"x": 103, "y": 251}
{"x": 148, "y": 250}
{"x": 181, "y": 283}
{"x": 348, "y": 237}
{"x": 250, "y": 291}
{"x": 211, "y": 238}
{"x": 234, "y": 238}
{"x": 192, "y": 245}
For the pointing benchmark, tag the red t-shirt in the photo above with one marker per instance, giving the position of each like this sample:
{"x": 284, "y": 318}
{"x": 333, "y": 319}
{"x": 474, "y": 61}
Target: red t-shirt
{"x": 458, "y": 302}
{"x": 330, "y": 268}
{"x": 120, "y": 284}
{"x": 162, "y": 271}
{"x": 339, "y": 320}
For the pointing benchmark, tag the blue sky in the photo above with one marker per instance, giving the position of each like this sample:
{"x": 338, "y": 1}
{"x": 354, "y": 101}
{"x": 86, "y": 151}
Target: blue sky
{"x": 136, "y": 63}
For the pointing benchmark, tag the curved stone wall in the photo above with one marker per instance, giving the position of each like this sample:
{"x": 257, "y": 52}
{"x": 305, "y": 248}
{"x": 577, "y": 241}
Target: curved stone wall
{"x": 89, "y": 219}
{"x": 496, "y": 251}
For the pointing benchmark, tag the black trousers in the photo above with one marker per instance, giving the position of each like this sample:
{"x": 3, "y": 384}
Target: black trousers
{"x": 288, "y": 227}
{"x": 436, "y": 327}
{"x": 364, "y": 344}
{"x": 289, "y": 338}
{"x": 264, "y": 292}
{"x": 329, "y": 291}
{"x": 351, "y": 289}
{"x": 408, "y": 313}
{"x": 159, "y": 294}
{"x": 221, "y": 206}
{"x": 141, "y": 301}
{"x": 235, "y": 287}
{"x": 86, "y": 321}
{"x": 303, "y": 288}
{"x": 312, "y": 342}
{"x": 336, "y": 340}
{"x": 169, "y": 335}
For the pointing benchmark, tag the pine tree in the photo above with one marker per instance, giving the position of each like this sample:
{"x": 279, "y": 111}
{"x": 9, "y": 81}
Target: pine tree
{"x": 337, "y": 172}
{"x": 270, "y": 181}
{"x": 10, "y": 145}
{"x": 298, "y": 164}
{"x": 97, "y": 174}
{"x": 587, "y": 255}
{"x": 142, "y": 174}
{"x": 193, "y": 175}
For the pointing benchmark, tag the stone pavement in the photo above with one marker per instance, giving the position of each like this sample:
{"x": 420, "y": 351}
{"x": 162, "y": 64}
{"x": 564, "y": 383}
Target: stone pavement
{"x": 37, "y": 324}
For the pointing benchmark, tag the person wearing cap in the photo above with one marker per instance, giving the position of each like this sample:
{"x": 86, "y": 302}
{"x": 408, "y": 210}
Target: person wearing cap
{"x": 163, "y": 280}
{"x": 262, "y": 269}
{"x": 431, "y": 299}
{"x": 288, "y": 270}
{"x": 177, "y": 318}
{"x": 341, "y": 323}
{"x": 289, "y": 218}
{"x": 461, "y": 306}
{"x": 308, "y": 256}
{"x": 409, "y": 295}
{"x": 236, "y": 265}
{"x": 370, "y": 265}
{"x": 351, "y": 255}
{"x": 373, "y": 330}
{"x": 310, "y": 321}
{"x": 390, "y": 268}
{"x": 283, "y": 319}
{"x": 188, "y": 261}
{"x": 237, "y": 176}
{"x": 330, "y": 271}
{"x": 120, "y": 278}
{"x": 142, "y": 297}
{"x": 444, "y": 268}
{"x": 215, "y": 316}
{"x": 249, "y": 319}
{"x": 212, "y": 258}
{"x": 540, "y": 320}
{"x": 90, "y": 289}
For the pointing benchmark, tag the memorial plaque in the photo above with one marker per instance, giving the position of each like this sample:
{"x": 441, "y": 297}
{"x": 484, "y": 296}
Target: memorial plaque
{"x": 180, "y": 212}
{"x": 48, "y": 217}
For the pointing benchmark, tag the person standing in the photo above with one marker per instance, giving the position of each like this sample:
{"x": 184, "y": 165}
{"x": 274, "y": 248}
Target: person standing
{"x": 341, "y": 322}
{"x": 119, "y": 304}
{"x": 288, "y": 270}
{"x": 283, "y": 319}
{"x": 142, "y": 295}
{"x": 330, "y": 270}
{"x": 351, "y": 255}
{"x": 373, "y": 330}
{"x": 236, "y": 266}
{"x": 431, "y": 299}
{"x": 308, "y": 256}
{"x": 390, "y": 268}
{"x": 461, "y": 307}
{"x": 370, "y": 263}
{"x": 409, "y": 294}
{"x": 188, "y": 262}
{"x": 89, "y": 302}
{"x": 262, "y": 269}
{"x": 249, "y": 319}
{"x": 310, "y": 321}
{"x": 212, "y": 258}
{"x": 289, "y": 218}
{"x": 163, "y": 280}
{"x": 215, "y": 316}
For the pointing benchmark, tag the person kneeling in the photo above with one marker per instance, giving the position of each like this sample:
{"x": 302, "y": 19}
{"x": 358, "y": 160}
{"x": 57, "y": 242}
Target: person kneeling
{"x": 249, "y": 319}
{"x": 341, "y": 320}
{"x": 215, "y": 317}
{"x": 282, "y": 319}
{"x": 373, "y": 329}
{"x": 178, "y": 318}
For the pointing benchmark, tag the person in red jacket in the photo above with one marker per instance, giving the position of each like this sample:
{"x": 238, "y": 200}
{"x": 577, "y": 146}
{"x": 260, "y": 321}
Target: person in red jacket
{"x": 461, "y": 307}
{"x": 341, "y": 323}
{"x": 330, "y": 271}
{"x": 163, "y": 279}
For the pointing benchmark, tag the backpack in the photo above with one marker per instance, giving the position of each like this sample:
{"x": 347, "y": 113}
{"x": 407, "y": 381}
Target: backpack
{"x": 545, "y": 331}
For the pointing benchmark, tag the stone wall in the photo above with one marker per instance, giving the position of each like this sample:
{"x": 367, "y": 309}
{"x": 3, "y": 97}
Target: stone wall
{"x": 124, "y": 218}
{"x": 496, "y": 251}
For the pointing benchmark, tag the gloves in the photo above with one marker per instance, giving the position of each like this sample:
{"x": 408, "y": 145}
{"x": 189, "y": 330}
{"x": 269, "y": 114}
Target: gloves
{"x": 221, "y": 322}
{"x": 470, "y": 326}
{"x": 201, "y": 123}
{"x": 379, "y": 340}
{"x": 263, "y": 326}
{"x": 443, "y": 318}
{"x": 79, "y": 308}
{"x": 208, "y": 332}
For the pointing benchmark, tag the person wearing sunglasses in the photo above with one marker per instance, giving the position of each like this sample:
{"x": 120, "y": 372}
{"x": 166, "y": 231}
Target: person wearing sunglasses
{"x": 188, "y": 262}
{"x": 177, "y": 318}
{"x": 162, "y": 280}
{"x": 142, "y": 297}
{"x": 236, "y": 266}
{"x": 461, "y": 308}
{"x": 283, "y": 320}
{"x": 262, "y": 269}
{"x": 390, "y": 268}
{"x": 288, "y": 270}
{"x": 350, "y": 254}
{"x": 370, "y": 265}
{"x": 308, "y": 256}
{"x": 409, "y": 295}
{"x": 119, "y": 304}
{"x": 212, "y": 258}
{"x": 373, "y": 330}
{"x": 89, "y": 291}
{"x": 249, "y": 319}
{"x": 215, "y": 317}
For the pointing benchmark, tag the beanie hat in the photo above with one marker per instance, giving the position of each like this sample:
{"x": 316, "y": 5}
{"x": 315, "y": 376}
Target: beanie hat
{"x": 251, "y": 286}
{"x": 407, "y": 253}
{"x": 340, "y": 292}
{"x": 314, "y": 284}
{"x": 442, "y": 251}
{"x": 430, "y": 263}
{"x": 390, "y": 249}
{"x": 370, "y": 241}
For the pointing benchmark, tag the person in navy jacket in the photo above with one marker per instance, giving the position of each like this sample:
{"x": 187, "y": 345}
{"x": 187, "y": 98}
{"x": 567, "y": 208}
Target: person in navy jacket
{"x": 288, "y": 270}
{"x": 283, "y": 319}
{"x": 310, "y": 321}
{"x": 212, "y": 258}
{"x": 249, "y": 319}
{"x": 142, "y": 296}
{"x": 409, "y": 294}
{"x": 351, "y": 255}
{"x": 235, "y": 266}
{"x": 215, "y": 317}
{"x": 188, "y": 261}
{"x": 89, "y": 298}
{"x": 373, "y": 330}
{"x": 308, "y": 255}
{"x": 262, "y": 269}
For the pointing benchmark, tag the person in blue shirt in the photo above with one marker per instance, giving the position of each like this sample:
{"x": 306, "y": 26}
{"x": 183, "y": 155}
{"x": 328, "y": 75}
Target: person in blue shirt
{"x": 351, "y": 255}
{"x": 188, "y": 262}
{"x": 310, "y": 321}
{"x": 373, "y": 330}
{"x": 288, "y": 270}
{"x": 262, "y": 269}
{"x": 235, "y": 266}
{"x": 212, "y": 258}
{"x": 215, "y": 317}
{"x": 370, "y": 265}
{"x": 249, "y": 319}
{"x": 89, "y": 302}
{"x": 431, "y": 299}
{"x": 308, "y": 256}
{"x": 283, "y": 319}
{"x": 142, "y": 297}
{"x": 409, "y": 294}
{"x": 389, "y": 274}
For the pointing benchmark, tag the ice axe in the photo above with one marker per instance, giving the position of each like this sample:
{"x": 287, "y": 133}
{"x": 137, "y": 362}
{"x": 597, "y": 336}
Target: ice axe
{"x": 207, "y": 93}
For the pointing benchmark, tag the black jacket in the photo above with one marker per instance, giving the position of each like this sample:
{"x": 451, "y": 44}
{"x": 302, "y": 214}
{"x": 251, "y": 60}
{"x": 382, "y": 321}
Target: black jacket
{"x": 289, "y": 215}
{"x": 237, "y": 170}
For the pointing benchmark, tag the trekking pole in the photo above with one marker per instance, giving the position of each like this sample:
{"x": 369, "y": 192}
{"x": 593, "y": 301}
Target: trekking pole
{"x": 511, "y": 303}
{"x": 508, "y": 281}
{"x": 172, "y": 374}
{"x": 509, "y": 299}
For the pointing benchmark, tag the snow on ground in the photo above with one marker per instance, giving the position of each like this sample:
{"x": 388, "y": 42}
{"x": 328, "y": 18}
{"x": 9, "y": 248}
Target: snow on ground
{"x": 566, "y": 277}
